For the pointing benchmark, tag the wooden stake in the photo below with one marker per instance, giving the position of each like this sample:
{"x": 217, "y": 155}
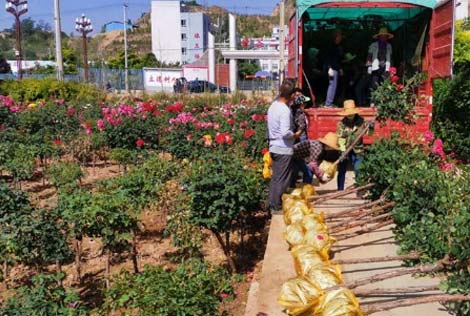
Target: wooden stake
{"x": 403, "y": 290}
{"x": 5, "y": 272}
{"x": 345, "y": 213}
{"x": 78, "y": 253}
{"x": 366, "y": 230}
{"x": 385, "y": 306}
{"x": 108, "y": 268}
{"x": 134, "y": 252}
{"x": 362, "y": 215}
{"x": 412, "y": 255}
{"x": 323, "y": 198}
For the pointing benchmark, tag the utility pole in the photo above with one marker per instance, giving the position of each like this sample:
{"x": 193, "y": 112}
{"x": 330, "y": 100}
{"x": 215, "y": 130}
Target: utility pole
{"x": 58, "y": 42}
{"x": 17, "y": 8}
{"x": 126, "y": 70}
{"x": 282, "y": 37}
{"x": 83, "y": 25}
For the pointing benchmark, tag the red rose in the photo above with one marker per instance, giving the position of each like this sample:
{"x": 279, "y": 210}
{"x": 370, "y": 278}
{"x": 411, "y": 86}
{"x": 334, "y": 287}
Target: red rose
{"x": 57, "y": 142}
{"x": 223, "y": 295}
{"x": 400, "y": 87}
{"x": 394, "y": 79}
{"x": 140, "y": 142}
{"x": 231, "y": 121}
{"x": 244, "y": 144}
{"x": 264, "y": 151}
{"x": 249, "y": 133}
{"x": 392, "y": 71}
{"x": 220, "y": 138}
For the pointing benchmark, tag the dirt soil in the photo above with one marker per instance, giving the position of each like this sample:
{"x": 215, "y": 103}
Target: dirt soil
{"x": 154, "y": 248}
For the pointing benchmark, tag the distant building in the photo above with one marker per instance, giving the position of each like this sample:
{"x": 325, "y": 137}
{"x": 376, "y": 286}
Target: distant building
{"x": 178, "y": 36}
{"x": 267, "y": 43}
{"x": 116, "y": 26}
{"x": 462, "y": 9}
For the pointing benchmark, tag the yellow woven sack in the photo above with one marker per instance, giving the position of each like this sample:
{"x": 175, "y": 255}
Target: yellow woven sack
{"x": 341, "y": 302}
{"x": 295, "y": 211}
{"x": 306, "y": 257}
{"x": 294, "y": 234}
{"x": 329, "y": 168}
{"x": 267, "y": 159}
{"x": 308, "y": 190}
{"x": 319, "y": 240}
{"x": 267, "y": 172}
{"x": 314, "y": 222}
{"x": 324, "y": 275}
{"x": 297, "y": 192}
{"x": 299, "y": 296}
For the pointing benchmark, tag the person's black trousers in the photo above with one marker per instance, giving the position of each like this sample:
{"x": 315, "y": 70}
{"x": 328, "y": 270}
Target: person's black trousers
{"x": 280, "y": 180}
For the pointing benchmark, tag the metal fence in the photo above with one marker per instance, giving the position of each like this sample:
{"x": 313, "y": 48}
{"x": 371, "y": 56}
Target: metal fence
{"x": 257, "y": 85}
{"x": 99, "y": 77}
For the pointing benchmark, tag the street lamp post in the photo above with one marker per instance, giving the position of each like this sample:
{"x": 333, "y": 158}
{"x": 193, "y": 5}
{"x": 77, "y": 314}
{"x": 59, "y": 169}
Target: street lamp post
{"x": 83, "y": 25}
{"x": 17, "y": 8}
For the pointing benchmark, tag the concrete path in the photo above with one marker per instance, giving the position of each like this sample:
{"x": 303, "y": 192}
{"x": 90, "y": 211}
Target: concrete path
{"x": 278, "y": 265}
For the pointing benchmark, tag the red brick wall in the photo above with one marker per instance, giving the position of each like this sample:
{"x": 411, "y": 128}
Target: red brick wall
{"x": 222, "y": 75}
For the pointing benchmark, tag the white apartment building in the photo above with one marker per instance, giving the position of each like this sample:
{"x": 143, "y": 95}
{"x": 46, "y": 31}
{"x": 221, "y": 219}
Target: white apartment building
{"x": 178, "y": 36}
{"x": 268, "y": 43}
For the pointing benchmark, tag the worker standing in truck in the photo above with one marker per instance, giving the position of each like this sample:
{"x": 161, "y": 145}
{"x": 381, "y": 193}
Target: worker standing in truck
{"x": 379, "y": 57}
{"x": 333, "y": 63}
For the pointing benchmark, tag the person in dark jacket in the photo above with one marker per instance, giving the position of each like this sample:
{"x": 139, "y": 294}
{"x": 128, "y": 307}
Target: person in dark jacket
{"x": 333, "y": 63}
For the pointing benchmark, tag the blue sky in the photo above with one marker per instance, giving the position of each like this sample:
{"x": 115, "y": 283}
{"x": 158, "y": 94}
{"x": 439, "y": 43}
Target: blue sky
{"x": 103, "y": 11}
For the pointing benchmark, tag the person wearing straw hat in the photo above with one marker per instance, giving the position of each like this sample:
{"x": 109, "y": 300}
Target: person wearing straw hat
{"x": 312, "y": 153}
{"x": 346, "y": 132}
{"x": 379, "y": 56}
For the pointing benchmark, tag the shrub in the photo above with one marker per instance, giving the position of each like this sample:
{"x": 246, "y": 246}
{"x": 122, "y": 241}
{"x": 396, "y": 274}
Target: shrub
{"x": 394, "y": 100}
{"x": 45, "y": 296}
{"x": 451, "y": 111}
{"x": 193, "y": 288}
{"x": 221, "y": 186}
{"x": 33, "y": 90}
{"x": 64, "y": 174}
{"x": 383, "y": 160}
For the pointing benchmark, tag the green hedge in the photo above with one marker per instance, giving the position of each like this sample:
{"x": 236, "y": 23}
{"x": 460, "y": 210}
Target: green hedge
{"x": 32, "y": 90}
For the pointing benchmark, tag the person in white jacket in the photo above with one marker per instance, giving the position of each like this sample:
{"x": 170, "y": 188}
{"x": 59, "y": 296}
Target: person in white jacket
{"x": 379, "y": 57}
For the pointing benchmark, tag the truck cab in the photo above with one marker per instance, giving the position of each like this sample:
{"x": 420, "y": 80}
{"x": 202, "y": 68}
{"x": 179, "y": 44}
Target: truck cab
{"x": 423, "y": 42}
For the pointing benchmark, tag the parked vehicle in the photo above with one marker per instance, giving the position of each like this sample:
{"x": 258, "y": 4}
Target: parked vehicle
{"x": 423, "y": 42}
{"x": 200, "y": 86}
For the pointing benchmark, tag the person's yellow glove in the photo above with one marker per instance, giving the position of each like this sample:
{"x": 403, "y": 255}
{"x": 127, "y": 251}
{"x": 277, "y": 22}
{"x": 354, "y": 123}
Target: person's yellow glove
{"x": 342, "y": 144}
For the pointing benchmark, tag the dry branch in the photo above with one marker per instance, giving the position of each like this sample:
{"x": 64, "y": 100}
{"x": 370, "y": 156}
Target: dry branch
{"x": 380, "y": 307}
{"x": 412, "y": 255}
{"x": 345, "y": 213}
{"x": 362, "y": 215}
{"x": 422, "y": 268}
{"x": 403, "y": 290}
{"x": 366, "y": 230}
{"x": 365, "y": 221}
{"x": 329, "y": 196}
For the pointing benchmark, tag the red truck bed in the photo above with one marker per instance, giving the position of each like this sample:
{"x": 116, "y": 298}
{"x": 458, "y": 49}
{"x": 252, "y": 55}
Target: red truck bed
{"x": 324, "y": 120}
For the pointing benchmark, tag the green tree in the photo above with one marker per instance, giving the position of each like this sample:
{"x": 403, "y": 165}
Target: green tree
{"x": 246, "y": 68}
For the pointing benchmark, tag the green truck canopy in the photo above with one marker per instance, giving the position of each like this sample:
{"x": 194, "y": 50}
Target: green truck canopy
{"x": 387, "y": 13}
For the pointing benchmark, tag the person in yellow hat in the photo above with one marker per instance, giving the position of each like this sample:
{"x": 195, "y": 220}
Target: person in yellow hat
{"x": 309, "y": 154}
{"x": 379, "y": 56}
{"x": 346, "y": 132}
